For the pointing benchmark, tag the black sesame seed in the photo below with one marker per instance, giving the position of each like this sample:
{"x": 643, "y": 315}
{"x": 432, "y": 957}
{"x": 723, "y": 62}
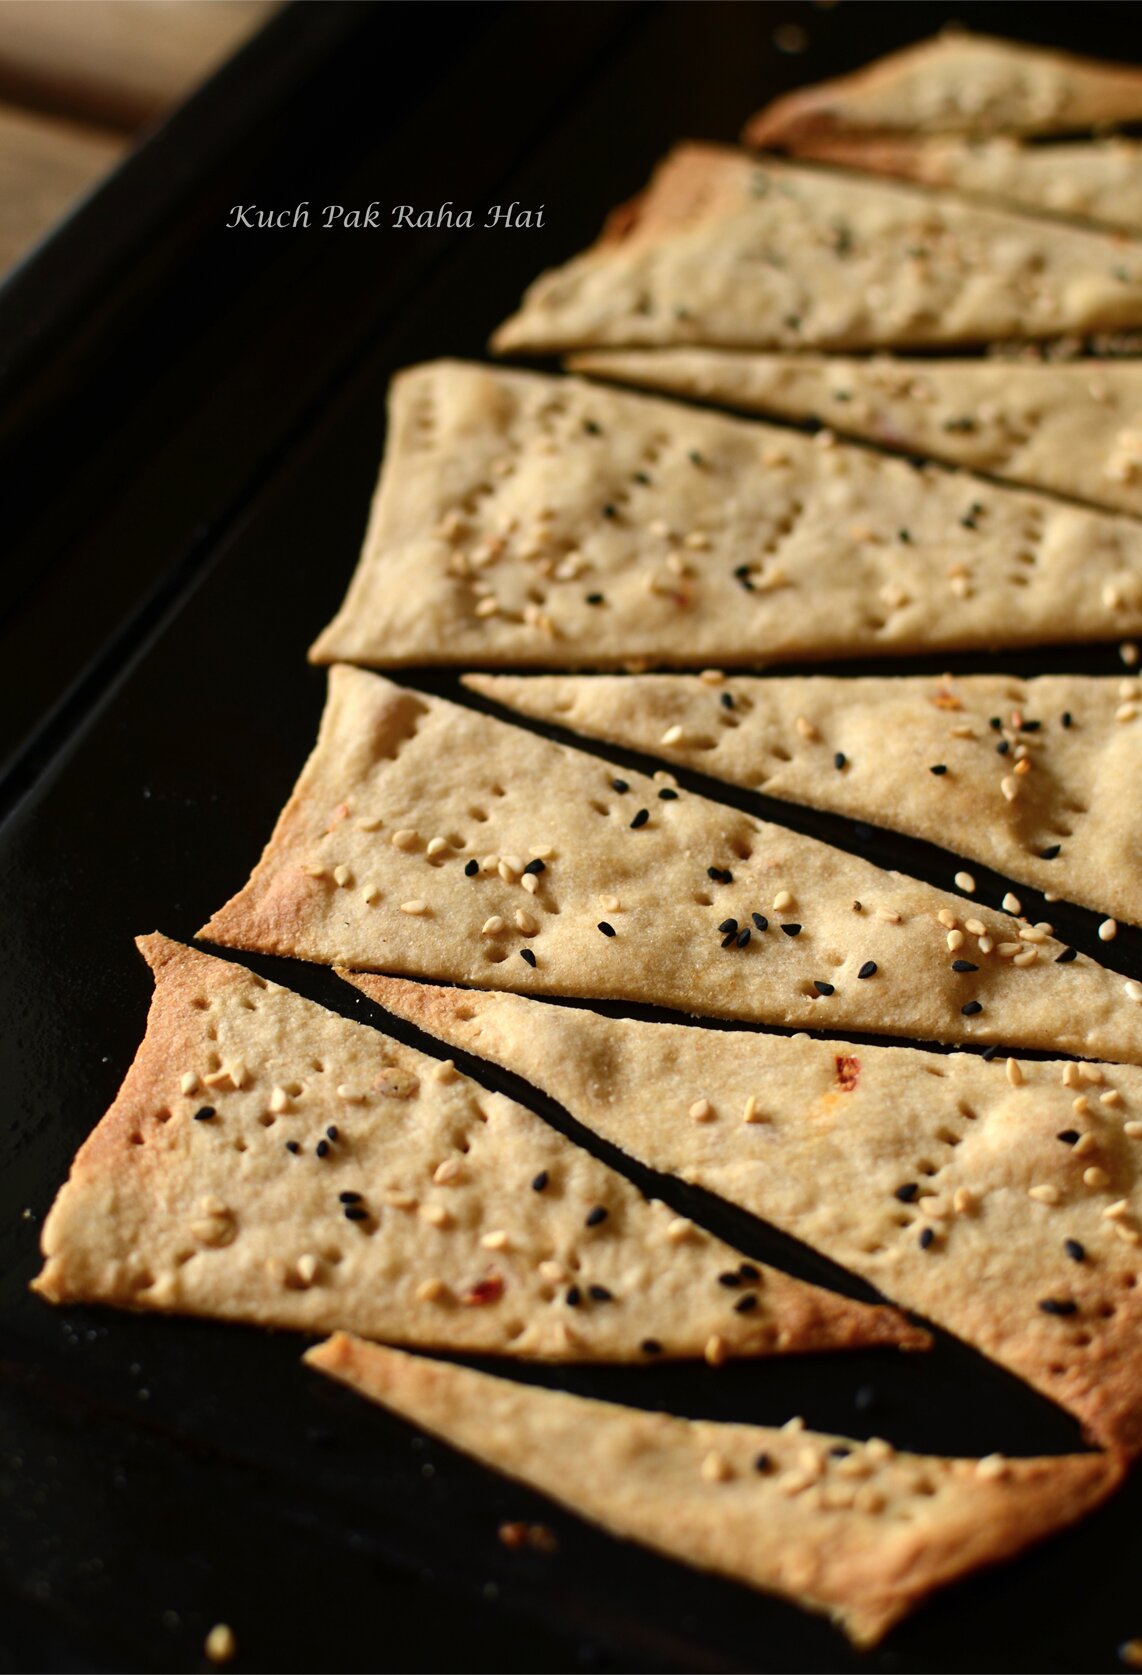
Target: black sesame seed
{"x": 1057, "y": 1305}
{"x": 964, "y": 965}
{"x": 574, "y": 1297}
{"x": 720, "y": 875}
{"x": 823, "y": 988}
{"x": 746, "y": 582}
{"x": 591, "y": 427}
{"x": 695, "y": 457}
{"x": 1067, "y": 718}
{"x": 1067, "y": 955}
{"x": 760, "y": 922}
{"x": 1003, "y": 747}
{"x": 728, "y": 925}
{"x": 599, "y": 1293}
{"x": 763, "y": 1463}
{"x": 539, "y": 1184}
{"x": 668, "y": 794}
{"x": 1050, "y": 852}
{"x": 996, "y": 723}
{"x": 526, "y": 954}
{"x": 741, "y": 570}
{"x": 868, "y": 969}
{"x": 904, "y": 535}
{"x": 471, "y": 869}
{"x": 990, "y": 1053}
{"x": 971, "y": 1008}
{"x": 1031, "y": 726}
{"x": 620, "y": 785}
{"x": 748, "y": 1271}
{"x": 727, "y": 700}
{"x": 746, "y": 1304}
{"x": 1069, "y": 1136}
{"x": 607, "y": 930}
{"x": 1074, "y": 1250}
{"x": 731, "y": 1280}
{"x": 743, "y": 937}
{"x": 938, "y": 768}
{"x": 640, "y": 819}
{"x": 729, "y": 939}
{"x": 840, "y": 1451}
{"x": 356, "y": 1212}
{"x": 595, "y": 599}
{"x": 641, "y": 477}
{"x": 536, "y": 866}
{"x": 650, "y": 1346}
{"x": 349, "y": 1197}
{"x": 610, "y": 511}
{"x": 331, "y": 1132}
{"x": 907, "y": 1192}
{"x": 204, "y": 1113}
{"x": 927, "y": 1235}
{"x": 322, "y": 1148}
{"x": 292, "y": 1146}
{"x": 791, "y": 930}
{"x": 839, "y": 759}
{"x": 595, "y": 1215}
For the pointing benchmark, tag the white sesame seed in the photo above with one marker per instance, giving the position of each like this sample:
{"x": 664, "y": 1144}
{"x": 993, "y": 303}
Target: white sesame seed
{"x": 751, "y": 1112}
{"x": 975, "y": 927}
{"x": 673, "y": 735}
{"x": 712, "y": 677}
{"x": 878, "y": 1449}
{"x": 965, "y": 882}
{"x": 437, "y": 846}
{"x": 313, "y": 869}
{"x": 1095, "y": 1177}
{"x": 1047, "y": 1194}
{"x": 783, "y": 901}
{"x": 430, "y": 1291}
{"x": 220, "y": 1644}
{"x": 351, "y": 1095}
{"x": 1112, "y": 1097}
{"x": 1126, "y": 712}
{"x": 610, "y": 904}
{"x": 553, "y": 1272}
{"x": 986, "y": 945}
{"x": 1012, "y": 904}
{"x": 947, "y": 918}
{"x": 507, "y": 871}
{"x": 1128, "y": 652}
{"x": 307, "y": 1267}
{"x": 416, "y": 907}
{"x": 992, "y": 1467}
{"x": 1009, "y": 787}
{"x": 715, "y": 1351}
{"x": 806, "y": 729}
{"x": 370, "y": 894}
{"x": 1129, "y": 1235}
{"x": 406, "y": 838}
{"x": 445, "y": 1071}
{"x": 487, "y": 607}
{"x": 1116, "y": 1211}
{"x": 492, "y": 926}
{"x": 1070, "y": 1075}
{"x": 279, "y": 1101}
{"x": 954, "y": 939}
{"x": 530, "y": 883}
{"x": 342, "y": 876}
{"x": 1014, "y": 1073}
{"x": 1006, "y": 949}
{"x": 435, "y": 1215}
{"x": 1108, "y": 930}
{"x": 526, "y": 923}
{"x": 497, "y": 1240}
{"x": 1092, "y": 1073}
{"x": 1133, "y": 1129}
{"x": 889, "y": 915}
{"x": 962, "y": 1200}
{"x": 702, "y": 1110}
{"x": 188, "y": 1081}
{"x": 680, "y": 1228}
{"x": 716, "y": 1469}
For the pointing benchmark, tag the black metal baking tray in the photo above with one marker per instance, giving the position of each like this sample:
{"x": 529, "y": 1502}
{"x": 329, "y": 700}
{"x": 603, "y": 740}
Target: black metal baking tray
{"x": 191, "y": 431}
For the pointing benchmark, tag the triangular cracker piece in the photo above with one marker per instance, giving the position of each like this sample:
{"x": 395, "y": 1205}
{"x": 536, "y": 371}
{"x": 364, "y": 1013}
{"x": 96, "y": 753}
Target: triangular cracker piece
{"x": 749, "y": 253}
{"x": 1098, "y": 181}
{"x": 935, "y": 757}
{"x": 850, "y": 1529}
{"x": 956, "y": 83}
{"x": 1072, "y": 428}
{"x": 428, "y": 839}
{"x": 1004, "y": 1203}
{"x": 268, "y": 1161}
{"x": 532, "y": 521}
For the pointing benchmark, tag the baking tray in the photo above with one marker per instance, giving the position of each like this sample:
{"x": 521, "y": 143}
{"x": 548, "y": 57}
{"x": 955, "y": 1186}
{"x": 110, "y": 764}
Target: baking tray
{"x": 212, "y": 447}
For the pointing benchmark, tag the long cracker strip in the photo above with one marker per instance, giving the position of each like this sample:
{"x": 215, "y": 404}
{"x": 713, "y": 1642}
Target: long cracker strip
{"x": 850, "y": 1529}
{"x": 1089, "y": 180}
{"x": 1002, "y": 1202}
{"x": 534, "y": 521}
{"x": 732, "y": 252}
{"x": 1072, "y": 428}
{"x": 956, "y": 83}
{"x": 270, "y": 1162}
{"x": 1034, "y": 777}
{"x": 428, "y": 839}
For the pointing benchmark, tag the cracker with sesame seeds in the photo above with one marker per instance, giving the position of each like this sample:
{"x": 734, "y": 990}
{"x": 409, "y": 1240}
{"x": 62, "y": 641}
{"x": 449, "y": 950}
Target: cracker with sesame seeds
{"x": 747, "y": 253}
{"x": 1091, "y": 180}
{"x": 1002, "y": 1203}
{"x": 958, "y": 82}
{"x": 526, "y": 520}
{"x": 319, "y": 1175}
{"x": 1071, "y": 428}
{"x": 853, "y": 1530}
{"x": 712, "y": 910}
{"x": 1029, "y": 777}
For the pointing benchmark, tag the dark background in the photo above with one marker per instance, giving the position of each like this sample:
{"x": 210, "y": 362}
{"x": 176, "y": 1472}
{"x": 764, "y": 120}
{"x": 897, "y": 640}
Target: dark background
{"x": 190, "y": 424}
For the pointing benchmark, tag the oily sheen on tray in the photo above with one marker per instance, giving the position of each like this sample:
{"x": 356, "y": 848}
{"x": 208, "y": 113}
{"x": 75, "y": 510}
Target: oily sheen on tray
{"x": 427, "y": 839}
{"x": 548, "y": 522}
{"x": 267, "y": 1161}
{"x": 1003, "y": 1202}
{"x": 850, "y": 1529}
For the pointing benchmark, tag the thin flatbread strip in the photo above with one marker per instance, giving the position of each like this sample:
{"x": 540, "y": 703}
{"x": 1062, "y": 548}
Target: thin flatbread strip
{"x": 1091, "y": 180}
{"x": 270, "y": 1162}
{"x": 1069, "y": 428}
{"x": 936, "y": 757}
{"x": 427, "y": 839}
{"x": 1002, "y": 1203}
{"x": 532, "y": 521}
{"x": 852, "y": 1530}
{"x": 743, "y": 253}
{"x": 956, "y": 83}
